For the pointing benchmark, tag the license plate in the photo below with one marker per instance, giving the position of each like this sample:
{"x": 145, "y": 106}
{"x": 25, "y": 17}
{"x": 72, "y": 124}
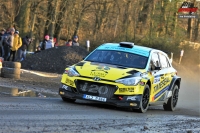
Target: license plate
{"x": 96, "y": 98}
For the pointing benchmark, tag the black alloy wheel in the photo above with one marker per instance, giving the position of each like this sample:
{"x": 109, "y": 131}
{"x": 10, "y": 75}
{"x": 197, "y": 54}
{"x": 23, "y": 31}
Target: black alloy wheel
{"x": 144, "y": 103}
{"x": 173, "y": 100}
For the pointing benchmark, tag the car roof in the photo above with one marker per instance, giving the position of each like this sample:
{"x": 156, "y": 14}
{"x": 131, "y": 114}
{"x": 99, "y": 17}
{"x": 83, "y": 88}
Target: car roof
{"x": 141, "y": 50}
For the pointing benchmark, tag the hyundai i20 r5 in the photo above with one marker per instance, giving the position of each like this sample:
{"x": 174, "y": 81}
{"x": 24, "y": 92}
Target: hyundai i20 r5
{"x": 124, "y": 75}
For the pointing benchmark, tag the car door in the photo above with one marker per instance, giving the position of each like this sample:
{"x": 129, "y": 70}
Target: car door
{"x": 162, "y": 78}
{"x": 156, "y": 74}
{"x": 167, "y": 77}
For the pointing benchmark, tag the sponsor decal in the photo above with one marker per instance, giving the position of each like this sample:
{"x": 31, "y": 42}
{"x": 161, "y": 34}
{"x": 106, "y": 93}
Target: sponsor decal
{"x": 98, "y": 73}
{"x": 126, "y": 89}
{"x": 132, "y": 98}
{"x": 156, "y": 80}
{"x": 118, "y": 48}
{"x": 140, "y": 52}
{"x": 161, "y": 84}
{"x": 65, "y": 87}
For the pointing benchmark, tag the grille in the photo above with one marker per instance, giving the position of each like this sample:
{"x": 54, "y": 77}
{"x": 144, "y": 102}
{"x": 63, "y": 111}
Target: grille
{"x": 96, "y": 89}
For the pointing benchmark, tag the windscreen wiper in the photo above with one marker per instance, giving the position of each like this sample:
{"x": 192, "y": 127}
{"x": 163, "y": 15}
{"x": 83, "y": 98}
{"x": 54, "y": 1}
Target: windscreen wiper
{"x": 122, "y": 67}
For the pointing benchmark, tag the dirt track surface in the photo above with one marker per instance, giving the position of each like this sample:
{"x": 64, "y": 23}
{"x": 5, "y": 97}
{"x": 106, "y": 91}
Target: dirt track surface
{"x": 53, "y": 115}
{"x": 24, "y": 114}
{"x": 34, "y": 80}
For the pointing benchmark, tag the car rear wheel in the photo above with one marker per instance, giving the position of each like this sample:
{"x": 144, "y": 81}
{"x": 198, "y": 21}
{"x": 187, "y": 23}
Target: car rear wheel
{"x": 68, "y": 99}
{"x": 172, "y": 101}
{"x": 144, "y": 103}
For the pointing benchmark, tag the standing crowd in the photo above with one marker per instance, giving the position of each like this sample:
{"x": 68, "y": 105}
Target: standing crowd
{"x": 15, "y": 47}
{"x": 12, "y": 45}
{"x": 73, "y": 42}
{"x": 50, "y": 43}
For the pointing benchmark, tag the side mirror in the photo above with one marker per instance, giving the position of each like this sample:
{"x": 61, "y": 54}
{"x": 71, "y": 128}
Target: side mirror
{"x": 157, "y": 68}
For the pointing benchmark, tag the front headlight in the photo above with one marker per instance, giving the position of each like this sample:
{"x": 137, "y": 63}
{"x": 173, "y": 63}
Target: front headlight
{"x": 71, "y": 72}
{"x": 129, "y": 81}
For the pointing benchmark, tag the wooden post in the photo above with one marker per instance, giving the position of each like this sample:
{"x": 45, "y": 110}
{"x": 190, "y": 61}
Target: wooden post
{"x": 181, "y": 55}
{"x": 171, "y": 59}
{"x": 88, "y": 45}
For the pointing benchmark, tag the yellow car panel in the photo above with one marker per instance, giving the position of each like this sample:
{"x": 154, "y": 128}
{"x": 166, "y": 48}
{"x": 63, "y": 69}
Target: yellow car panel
{"x": 122, "y": 75}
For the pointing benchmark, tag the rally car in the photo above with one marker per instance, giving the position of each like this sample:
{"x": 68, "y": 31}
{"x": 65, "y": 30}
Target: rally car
{"x": 125, "y": 75}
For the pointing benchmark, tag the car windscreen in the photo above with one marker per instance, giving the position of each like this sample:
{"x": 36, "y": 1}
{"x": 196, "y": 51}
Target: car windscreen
{"x": 118, "y": 58}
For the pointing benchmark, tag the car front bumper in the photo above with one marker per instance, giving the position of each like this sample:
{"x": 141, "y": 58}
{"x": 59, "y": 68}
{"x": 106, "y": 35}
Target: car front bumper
{"x": 119, "y": 101}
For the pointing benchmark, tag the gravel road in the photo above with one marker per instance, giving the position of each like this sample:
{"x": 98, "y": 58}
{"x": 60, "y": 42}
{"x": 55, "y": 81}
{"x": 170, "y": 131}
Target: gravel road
{"x": 51, "y": 114}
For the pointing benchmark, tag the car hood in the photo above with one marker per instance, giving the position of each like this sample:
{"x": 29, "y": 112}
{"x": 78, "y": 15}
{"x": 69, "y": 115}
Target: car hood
{"x": 105, "y": 71}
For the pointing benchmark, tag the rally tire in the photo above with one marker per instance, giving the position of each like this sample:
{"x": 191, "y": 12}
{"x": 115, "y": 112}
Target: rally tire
{"x": 173, "y": 100}
{"x": 7, "y": 70}
{"x": 12, "y": 76}
{"x": 144, "y": 103}
{"x": 11, "y": 64}
{"x": 68, "y": 100}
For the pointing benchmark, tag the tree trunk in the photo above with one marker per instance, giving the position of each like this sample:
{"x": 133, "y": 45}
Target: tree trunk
{"x": 150, "y": 21}
{"x": 175, "y": 19}
{"x": 49, "y": 18}
{"x": 54, "y": 18}
{"x": 196, "y": 33}
{"x": 22, "y": 19}
{"x": 79, "y": 20}
{"x": 190, "y": 26}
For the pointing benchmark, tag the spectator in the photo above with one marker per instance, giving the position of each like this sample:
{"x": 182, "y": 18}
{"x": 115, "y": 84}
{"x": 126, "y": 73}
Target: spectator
{"x": 55, "y": 42}
{"x": 21, "y": 52}
{"x": 47, "y": 43}
{"x": 69, "y": 42}
{"x": 38, "y": 50}
{"x": 75, "y": 41}
{"x": 8, "y": 43}
{"x": 17, "y": 43}
{"x": 1, "y": 42}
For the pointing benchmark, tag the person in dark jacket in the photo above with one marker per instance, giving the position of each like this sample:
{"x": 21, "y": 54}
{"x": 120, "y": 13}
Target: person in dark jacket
{"x": 1, "y": 42}
{"x": 21, "y": 52}
{"x": 75, "y": 41}
{"x": 69, "y": 42}
{"x": 46, "y": 43}
{"x": 8, "y": 43}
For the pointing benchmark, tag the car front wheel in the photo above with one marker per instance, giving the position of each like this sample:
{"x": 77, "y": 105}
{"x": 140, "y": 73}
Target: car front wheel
{"x": 172, "y": 101}
{"x": 144, "y": 103}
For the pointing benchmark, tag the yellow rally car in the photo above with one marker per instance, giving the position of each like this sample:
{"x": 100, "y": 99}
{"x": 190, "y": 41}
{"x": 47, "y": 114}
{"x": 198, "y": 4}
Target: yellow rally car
{"x": 124, "y": 75}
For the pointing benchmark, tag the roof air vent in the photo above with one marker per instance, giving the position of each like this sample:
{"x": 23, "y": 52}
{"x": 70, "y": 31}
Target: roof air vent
{"x": 126, "y": 44}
